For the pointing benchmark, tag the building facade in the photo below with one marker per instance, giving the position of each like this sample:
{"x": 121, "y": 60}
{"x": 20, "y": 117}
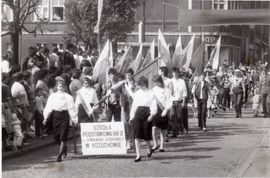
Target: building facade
{"x": 240, "y": 43}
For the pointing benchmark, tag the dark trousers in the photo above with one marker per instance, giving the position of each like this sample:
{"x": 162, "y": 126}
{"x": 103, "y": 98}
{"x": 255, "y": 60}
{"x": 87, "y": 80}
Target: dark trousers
{"x": 185, "y": 117}
{"x": 202, "y": 112}
{"x": 245, "y": 99}
{"x": 115, "y": 111}
{"x": 39, "y": 127}
{"x": 264, "y": 103}
{"x": 237, "y": 98}
{"x": 226, "y": 98}
{"x": 176, "y": 120}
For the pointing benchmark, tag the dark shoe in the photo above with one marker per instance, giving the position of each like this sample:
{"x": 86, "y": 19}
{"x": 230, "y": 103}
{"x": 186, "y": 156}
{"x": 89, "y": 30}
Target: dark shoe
{"x": 149, "y": 154}
{"x": 167, "y": 139}
{"x": 58, "y": 159}
{"x": 154, "y": 149}
{"x": 137, "y": 159}
{"x": 65, "y": 152}
{"x": 237, "y": 116}
{"x": 161, "y": 150}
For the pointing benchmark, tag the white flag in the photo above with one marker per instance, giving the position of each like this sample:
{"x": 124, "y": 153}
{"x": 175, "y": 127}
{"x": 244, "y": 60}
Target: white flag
{"x": 215, "y": 54}
{"x": 103, "y": 64}
{"x": 100, "y": 7}
{"x": 189, "y": 52}
{"x": 150, "y": 56}
{"x": 136, "y": 64}
{"x": 177, "y": 56}
{"x": 163, "y": 50}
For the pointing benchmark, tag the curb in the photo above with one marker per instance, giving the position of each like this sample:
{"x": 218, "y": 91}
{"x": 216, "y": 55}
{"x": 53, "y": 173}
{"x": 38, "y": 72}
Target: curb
{"x": 32, "y": 148}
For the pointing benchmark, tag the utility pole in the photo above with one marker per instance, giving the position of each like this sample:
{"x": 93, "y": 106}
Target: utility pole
{"x": 163, "y": 16}
{"x": 143, "y": 21}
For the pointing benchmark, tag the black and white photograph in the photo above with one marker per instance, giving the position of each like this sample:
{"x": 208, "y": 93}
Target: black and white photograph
{"x": 135, "y": 88}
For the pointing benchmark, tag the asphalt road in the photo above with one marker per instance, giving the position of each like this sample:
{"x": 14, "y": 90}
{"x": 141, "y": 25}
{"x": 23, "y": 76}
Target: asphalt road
{"x": 230, "y": 147}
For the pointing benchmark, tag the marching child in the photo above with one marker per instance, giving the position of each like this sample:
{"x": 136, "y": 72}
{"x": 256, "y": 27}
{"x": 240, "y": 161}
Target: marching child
{"x": 18, "y": 135}
{"x": 39, "y": 108}
{"x": 256, "y": 101}
{"x": 212, "y": 101}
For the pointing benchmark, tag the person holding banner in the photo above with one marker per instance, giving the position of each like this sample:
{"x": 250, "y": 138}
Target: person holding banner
{"x": 61, "y": 109}
{"x": 143, "y": 109}
{"x": 86, "y": 98}
{"x": 161, "y": 119}
{"x": 113, "y": 99}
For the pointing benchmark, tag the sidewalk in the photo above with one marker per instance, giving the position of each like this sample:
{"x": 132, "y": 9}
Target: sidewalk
{"x": 34, "y": 144}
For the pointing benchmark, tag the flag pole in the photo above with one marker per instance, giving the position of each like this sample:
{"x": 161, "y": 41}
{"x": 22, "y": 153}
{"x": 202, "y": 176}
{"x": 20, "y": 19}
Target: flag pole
{"x": 98, "y": 43}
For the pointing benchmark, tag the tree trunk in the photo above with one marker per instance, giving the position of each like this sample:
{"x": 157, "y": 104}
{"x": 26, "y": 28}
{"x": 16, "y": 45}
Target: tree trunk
{"x": 15, "y": 46}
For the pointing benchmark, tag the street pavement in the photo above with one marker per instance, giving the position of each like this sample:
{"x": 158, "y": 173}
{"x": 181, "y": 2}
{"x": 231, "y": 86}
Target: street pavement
{"x": 232, "y": 147}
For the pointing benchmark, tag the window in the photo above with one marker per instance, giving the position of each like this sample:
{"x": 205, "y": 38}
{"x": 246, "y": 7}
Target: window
{"x": 41, "y": 45}
{"x": 8, "y": 47}
{"x": 219, "y": 4}
{"x": 57, "y": 10}
{"x": 7, "y": 15}
{"x": 60, "y": 46}
{"x": 42, "y": 12}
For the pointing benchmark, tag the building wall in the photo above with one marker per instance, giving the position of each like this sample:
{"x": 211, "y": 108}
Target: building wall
{"x": 246, "y": 44}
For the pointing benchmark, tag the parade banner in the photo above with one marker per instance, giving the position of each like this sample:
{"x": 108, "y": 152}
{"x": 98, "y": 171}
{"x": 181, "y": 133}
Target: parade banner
{"x": 189, "y": 53}
{"x": 163, "y": 50}
{"x": 100, "y": 70}
{"x": 122, "y": 65}
{"x": 135, "y": 65}
{"x": 150, "y": 56}
{"x": 104, "y": 138}
{"x": 100, "y": 7}
{"x": 149, "y": 72}
{"x": 207, "y": 17}
{"x": 178, "y": 53}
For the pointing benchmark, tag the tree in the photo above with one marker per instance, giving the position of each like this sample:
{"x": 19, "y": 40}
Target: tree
{"x": 21, "y": 10}
{"x": 117, "y": 19}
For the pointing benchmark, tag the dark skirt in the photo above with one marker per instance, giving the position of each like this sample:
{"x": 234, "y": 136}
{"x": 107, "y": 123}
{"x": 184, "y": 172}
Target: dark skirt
{"x": 160, "y": 122}
{"x": 60, "y": 125}
{"x": 141, "y": 128}
{"x": 83, "y": 116}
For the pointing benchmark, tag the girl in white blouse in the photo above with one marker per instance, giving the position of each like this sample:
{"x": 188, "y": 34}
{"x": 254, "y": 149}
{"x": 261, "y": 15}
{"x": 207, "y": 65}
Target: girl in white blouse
{"x": 86, "y": 98}
{"x": 60, "y": 106}
{"x": 160, "y": 120}
{"x": 143, "y": 109}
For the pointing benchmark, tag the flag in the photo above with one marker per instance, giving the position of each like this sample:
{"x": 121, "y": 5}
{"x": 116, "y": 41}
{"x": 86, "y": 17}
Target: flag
{"x": 177, "y": 56}
{"x": 135, "y": 65}
{"x": 150, "y": 56}
{"x": 215, "y": 57}
{"x": 189, "y": 53}
{"x": 111, "y": 55}
{"x": 149, "y": 72}
{"x": 103, "y": 64}
{"x": 198, "y": 59}
{"x": 100, "y": 7}
{"x": 124, "y": 61}
{"x": 163, "y": 50}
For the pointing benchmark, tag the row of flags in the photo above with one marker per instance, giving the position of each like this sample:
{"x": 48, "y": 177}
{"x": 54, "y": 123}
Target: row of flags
{"x": 182, "y": 58}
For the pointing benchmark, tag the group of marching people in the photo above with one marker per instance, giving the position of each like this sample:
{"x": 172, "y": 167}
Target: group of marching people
{"x": 53, "y": 91}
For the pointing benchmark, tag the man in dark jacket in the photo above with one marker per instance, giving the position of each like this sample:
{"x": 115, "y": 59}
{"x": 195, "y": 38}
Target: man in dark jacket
{"x": 68, "y": 59}
{"x": 201, "y": 94}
